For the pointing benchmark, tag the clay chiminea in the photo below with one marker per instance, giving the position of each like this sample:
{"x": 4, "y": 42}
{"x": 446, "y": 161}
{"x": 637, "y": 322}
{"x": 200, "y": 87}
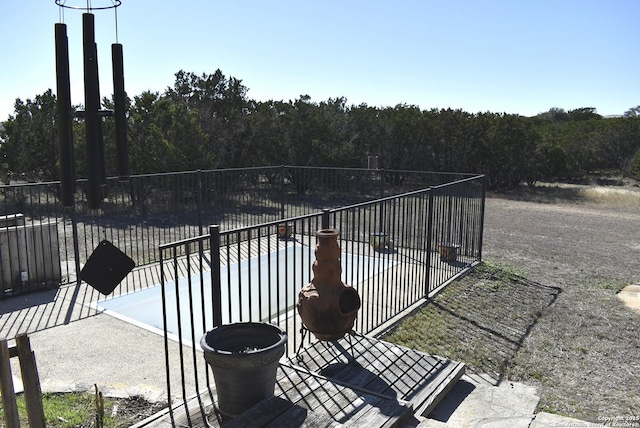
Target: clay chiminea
{"x": 327, "y": 306}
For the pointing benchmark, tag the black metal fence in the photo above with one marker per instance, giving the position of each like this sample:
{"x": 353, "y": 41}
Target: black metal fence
{"x": 396, "y": 252}
{"x": 148, "y": 210}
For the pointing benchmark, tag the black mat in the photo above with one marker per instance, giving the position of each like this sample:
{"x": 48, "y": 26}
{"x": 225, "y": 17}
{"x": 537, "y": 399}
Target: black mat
{"x": 106, "y": 267}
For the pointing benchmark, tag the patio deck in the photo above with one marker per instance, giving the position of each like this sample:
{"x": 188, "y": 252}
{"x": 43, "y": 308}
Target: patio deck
{"x": 356, "y": 381}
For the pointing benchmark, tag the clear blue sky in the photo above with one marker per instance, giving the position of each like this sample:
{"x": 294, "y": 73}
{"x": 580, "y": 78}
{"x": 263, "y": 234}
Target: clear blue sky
{"x": 513, "y": 56}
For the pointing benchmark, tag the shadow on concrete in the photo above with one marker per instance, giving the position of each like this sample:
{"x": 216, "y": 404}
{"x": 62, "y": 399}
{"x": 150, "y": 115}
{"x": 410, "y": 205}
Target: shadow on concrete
{"x": 455, "y": 397}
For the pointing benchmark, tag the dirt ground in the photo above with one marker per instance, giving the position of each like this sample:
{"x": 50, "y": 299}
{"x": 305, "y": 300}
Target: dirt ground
{"x": 583, "y": 352}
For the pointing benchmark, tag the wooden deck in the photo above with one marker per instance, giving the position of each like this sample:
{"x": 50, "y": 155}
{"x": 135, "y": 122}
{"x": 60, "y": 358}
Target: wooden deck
{"x": 383, "y": 368}
{"x": 356, "y": 381}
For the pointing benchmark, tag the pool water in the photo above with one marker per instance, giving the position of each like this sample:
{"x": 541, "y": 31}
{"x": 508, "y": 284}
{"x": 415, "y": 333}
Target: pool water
{"x": 258, "y": 289}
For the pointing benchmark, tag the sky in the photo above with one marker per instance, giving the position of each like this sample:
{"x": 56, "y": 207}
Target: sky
{"x": 501, "y": 56}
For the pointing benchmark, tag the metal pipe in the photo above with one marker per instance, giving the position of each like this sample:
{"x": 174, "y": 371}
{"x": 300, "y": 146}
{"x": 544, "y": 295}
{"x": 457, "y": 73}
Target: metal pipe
{"x": 91, "y": 104}
{"x": 63, "y": 115}
{"x": 120, "y": 108}
{"x": 214, "y": 232}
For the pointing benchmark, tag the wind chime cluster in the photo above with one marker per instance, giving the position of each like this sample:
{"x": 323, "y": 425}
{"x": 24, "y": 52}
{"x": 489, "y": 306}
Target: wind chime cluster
{"x": 93, "y": 113}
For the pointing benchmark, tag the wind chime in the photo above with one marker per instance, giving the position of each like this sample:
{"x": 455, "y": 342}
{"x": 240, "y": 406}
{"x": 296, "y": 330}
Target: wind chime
{"x": 93, "y": 113}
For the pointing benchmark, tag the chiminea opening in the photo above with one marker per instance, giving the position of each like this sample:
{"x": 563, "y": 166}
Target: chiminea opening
{"x": 349, "y": 301}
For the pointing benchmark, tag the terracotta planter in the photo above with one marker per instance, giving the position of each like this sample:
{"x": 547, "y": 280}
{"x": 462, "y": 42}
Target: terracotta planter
{"x": 244, "y": 358}
{"x": 449, "y": 252}
{"x": 327, "y": 306}
{"x": 285, "y": 231}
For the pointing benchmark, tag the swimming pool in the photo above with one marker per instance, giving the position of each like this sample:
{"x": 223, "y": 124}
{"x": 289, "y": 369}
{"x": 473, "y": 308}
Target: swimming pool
{"x": 257, "y": 289}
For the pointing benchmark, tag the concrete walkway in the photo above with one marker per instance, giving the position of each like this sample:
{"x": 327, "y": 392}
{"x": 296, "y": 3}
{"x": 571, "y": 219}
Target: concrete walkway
{"x": 77, "y": 347}
{"x": 475, "y": 402}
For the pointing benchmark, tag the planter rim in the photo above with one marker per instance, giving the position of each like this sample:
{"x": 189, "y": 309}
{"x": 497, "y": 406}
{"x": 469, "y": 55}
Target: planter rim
{"x": 282, "y": 338}
{"x": 327, "y": 233}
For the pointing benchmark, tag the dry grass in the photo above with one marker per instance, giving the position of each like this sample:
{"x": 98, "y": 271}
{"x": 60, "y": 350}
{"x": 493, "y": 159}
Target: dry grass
{"x": 613, "y": 197}
{"x": 624, "y": 194}
{"x": 545, "y": 313}
{"x": 457, "y": 324}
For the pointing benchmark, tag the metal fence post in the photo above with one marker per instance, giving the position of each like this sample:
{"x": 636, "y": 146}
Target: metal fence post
{"x": 76, "y": 243}
{"x": 282, "y": 205}
{"x": 482, "y": 208}
{"x": 429, "y": 243}
{"x": 325, "y": 218}
{"x": 199, "y": 201}
{"x": 216, "y": 292}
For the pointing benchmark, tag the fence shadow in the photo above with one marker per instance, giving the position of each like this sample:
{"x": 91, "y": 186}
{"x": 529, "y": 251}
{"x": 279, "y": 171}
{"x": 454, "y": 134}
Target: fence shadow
{"x": 481, "y": 320}
{"x": 33, "y": 312}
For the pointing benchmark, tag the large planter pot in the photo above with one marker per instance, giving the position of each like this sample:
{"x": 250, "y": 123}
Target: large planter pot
{"x": 327, "y": 306}
{"x": 244, "y": 358}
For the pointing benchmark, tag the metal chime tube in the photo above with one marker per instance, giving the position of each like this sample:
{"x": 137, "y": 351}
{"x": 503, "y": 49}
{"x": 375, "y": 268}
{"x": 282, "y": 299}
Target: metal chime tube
{"x": 65, "y": 124}
{"x": 91, "y": 104}
{"x": 120, "y": 111}
{"x": 102, "y": 166}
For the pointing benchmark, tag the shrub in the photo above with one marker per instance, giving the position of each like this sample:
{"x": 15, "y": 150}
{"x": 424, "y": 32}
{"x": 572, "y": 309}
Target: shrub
{"x": 634, "y": 167}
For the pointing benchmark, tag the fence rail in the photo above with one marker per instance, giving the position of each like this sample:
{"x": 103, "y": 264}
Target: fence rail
{"x": 396, "y": 251}
{"x": 148, "y": 210}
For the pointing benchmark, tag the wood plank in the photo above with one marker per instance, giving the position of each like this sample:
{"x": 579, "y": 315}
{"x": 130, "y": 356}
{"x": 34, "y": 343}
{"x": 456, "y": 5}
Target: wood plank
{"x": 380, "y": 413}
{"x": 325, "y": 398}
{"x": 440, "y": 387}
{"x": 342, "y": 403}
{"x": 11, "y": 418}
{"x": 407, "y": 370}
{"x": 288, "y": 385}
{"x": 294, "y": 417}
{"x": 281, "y": 413}
{"x": 261, "y": 414}
{"x": 191, "y": 416}
{"x": 31, "y": 382}
{"x": 316, "y": 356}
{"x": 298, "y": 416}
{"x": 384, "y": 368}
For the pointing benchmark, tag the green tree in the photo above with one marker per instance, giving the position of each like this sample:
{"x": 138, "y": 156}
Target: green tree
{"x": 317, "y": 134}
{"x": 510, "y": 155}
{"x": 403, "y": 134}
{"x": 29, "y": 140}
{"x": 632, "y": 112}
{"x": 453, "y": 147}
{"x": 222, "y": 106}
{"x": 149, "y": 150}
{"x": 584, "y": 113}
{"x": 617, "y": 141}
{"x": 634, "y": 166}
{"x": 267, "y": 132}
{"x": 553, "y": 115}
{"x": 366, "y": 134}
{"x": 574, "y": 142}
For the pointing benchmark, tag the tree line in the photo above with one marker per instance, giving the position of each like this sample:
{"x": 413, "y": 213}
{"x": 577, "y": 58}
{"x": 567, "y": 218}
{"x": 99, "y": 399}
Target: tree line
{"x": 207, "y": 121}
